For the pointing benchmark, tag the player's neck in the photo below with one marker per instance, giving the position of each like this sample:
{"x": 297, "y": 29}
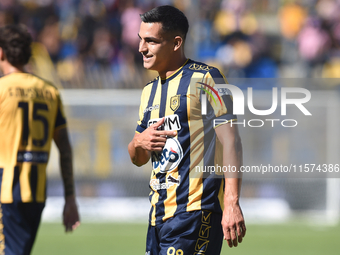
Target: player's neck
{"x": 8, "y": 69}
{"x": 173, "y": 67}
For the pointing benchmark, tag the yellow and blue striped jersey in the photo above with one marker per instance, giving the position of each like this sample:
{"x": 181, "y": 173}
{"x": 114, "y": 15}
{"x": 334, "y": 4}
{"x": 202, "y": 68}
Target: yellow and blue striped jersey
{"x": 176, "y": 185}
{"x": 30, "y": 111}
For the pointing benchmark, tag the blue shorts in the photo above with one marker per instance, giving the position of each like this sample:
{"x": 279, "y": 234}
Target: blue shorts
{"x": 20, "y": 222}
{"x": 188, "y": 233}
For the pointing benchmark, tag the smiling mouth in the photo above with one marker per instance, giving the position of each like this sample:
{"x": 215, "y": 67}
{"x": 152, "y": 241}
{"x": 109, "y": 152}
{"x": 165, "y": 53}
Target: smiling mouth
{"x": 145, "y": 57}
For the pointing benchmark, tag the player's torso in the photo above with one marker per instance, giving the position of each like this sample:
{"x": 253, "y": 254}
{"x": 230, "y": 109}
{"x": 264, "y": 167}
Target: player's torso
{"x": 28, "y": 107}
{"x": 175, "y": 186}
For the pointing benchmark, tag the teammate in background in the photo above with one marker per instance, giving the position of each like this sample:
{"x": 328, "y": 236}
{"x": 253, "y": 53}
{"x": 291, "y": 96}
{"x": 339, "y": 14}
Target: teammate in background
{"x": 31, "y": 115}
{"x": 190, "y": 212}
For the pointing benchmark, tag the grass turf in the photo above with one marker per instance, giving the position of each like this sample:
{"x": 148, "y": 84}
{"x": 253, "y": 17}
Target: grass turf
{"x": 129, "y": 239}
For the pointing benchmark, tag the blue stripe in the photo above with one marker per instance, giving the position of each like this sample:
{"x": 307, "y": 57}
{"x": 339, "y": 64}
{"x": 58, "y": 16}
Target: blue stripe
{"x": 182, "y": 192}
{"x": 34, "y": 181}
{"x": 164, "y": 97}
{"x": 146, "y": 116}
{"x": 229, "y": 104}
{"x": 60, "y": 120}
{"x": 151, "y": 210}
{"x": 209, "y": 137}
{"x": 162, "y": 176}
{"x": 145, "y": 121}
{"x": 217, "y": 76}
{"x": 16, "y": 185}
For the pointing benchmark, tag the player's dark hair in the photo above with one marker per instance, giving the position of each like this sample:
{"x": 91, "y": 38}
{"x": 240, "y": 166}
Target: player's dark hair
{"x": 16, "y": 41}
{"x": 172, "y": 19}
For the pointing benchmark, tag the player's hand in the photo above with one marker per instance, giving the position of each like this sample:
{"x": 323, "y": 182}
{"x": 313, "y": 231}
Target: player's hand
{"x": 70, "y": 214}
{"x": 152, "y": 139}
{"x": 234, "y": 228}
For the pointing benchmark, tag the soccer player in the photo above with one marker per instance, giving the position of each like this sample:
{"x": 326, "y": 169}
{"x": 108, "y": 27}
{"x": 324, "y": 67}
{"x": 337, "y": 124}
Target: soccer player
{"x": 31, "y": 115}
{"x": 191, "y": 210}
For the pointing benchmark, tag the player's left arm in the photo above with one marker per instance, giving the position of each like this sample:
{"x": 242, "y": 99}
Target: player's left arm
{"x": 70, "y": 212}
{"x": 233, "y": 223}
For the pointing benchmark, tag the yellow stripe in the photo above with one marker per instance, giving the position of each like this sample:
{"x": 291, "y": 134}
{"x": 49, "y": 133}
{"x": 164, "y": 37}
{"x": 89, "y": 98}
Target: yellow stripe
{"x": 195, "y": 123}
{"x": 157, "y": 100}
{"x": 24, "y": 179}
{"x": 154, "y": 200}
{"x": 144, "y": 101}
{"x": 154, "y": 115}
{"x": 41, "y": 184}
{"x": 7, "y": 186}
{"x": 170, "y": 204}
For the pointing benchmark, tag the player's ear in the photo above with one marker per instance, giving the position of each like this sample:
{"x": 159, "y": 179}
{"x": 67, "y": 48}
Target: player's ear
{"x": 178, "y": 41}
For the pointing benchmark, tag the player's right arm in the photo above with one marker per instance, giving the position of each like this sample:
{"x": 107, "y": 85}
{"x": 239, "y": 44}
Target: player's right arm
{"x": 70, "y": 212}
{"x": 151, "y": 139}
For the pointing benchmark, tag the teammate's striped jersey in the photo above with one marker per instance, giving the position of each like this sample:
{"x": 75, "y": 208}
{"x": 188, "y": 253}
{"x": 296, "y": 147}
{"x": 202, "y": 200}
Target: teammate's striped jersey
{"x": 178, "y": 182}
{"x": 30, "y": 111}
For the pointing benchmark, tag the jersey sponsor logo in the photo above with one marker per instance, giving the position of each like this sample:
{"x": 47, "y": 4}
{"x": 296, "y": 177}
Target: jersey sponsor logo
{"x": 175, "y": 102}
{"x": 169, "y": 158}
{"x": 171, "y": 123}
{"x": 32, "y": 156}
{"x": 151, "y": 108}
{"x": 197, "y": 67}
{"x": 154, "y": 182}
{"x": 170, "y": 181}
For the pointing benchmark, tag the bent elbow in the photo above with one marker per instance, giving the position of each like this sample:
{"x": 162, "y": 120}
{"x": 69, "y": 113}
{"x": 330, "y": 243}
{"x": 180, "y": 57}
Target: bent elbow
{"x": 136, "y": 163}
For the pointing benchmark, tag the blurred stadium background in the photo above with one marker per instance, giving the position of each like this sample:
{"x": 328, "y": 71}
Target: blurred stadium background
{"x": 89, "y": 49}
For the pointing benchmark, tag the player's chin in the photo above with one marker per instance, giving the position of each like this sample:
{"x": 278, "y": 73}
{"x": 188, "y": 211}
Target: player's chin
{"x": 148, "y": 65}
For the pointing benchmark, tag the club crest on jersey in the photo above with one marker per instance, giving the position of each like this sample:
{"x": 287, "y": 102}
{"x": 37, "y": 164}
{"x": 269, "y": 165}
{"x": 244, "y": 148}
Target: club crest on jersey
{"x": 169, "y": 158}
{"x": 175, "y": 102}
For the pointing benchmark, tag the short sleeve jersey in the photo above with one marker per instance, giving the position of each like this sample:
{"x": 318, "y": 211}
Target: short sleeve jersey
{"x": 30, "y": 112}
{"x": 190, "y": 103}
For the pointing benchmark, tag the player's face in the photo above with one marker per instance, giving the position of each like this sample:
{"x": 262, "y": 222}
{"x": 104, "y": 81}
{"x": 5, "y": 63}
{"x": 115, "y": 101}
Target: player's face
{"x": 156, "y": 47}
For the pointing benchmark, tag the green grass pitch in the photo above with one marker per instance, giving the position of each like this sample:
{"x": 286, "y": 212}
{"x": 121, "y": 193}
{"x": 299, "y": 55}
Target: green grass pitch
{"x": 129, "y": 239}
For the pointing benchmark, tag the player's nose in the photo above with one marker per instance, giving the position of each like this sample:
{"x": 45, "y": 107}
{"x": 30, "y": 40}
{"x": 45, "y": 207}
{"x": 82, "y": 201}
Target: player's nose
{"x": 142, "y": 47}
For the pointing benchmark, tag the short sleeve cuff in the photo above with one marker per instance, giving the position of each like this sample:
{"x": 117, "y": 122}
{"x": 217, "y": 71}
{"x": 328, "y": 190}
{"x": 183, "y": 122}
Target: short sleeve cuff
{"x": 60, "y": 120}
{"x": 139, "y": 129}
